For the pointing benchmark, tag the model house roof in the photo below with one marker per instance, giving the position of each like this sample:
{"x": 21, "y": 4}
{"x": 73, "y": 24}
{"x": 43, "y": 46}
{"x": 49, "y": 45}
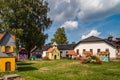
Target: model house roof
{"x": 66, "y": 47}
{"x": 3, "y": 34}
{"x": 97, "y": 39}
{"x": 50, "y": 50}
{"x": 5, "y": 40}
{"x": 46, "y": 47}
{"x": 87, "y": 52}
{"x": 71, "y": 52}
{"x": 35, "y": 49}
{"x": 103, "y": 53}
{"x": 60, "y": 47}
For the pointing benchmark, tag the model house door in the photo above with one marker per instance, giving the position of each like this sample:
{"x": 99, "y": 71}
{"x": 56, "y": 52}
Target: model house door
{"x": 55, "y": 57}
{"x": 7, "y": 66}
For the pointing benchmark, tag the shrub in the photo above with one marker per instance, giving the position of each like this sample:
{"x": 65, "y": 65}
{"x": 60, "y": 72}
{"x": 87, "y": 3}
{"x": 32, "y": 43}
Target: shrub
{"x": 45, "y": 58}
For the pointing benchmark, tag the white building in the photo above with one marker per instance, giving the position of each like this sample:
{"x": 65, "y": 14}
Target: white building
{"x": 96, "y": 44}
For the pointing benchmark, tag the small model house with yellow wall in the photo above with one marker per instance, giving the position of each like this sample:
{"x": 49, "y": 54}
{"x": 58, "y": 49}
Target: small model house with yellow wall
{"x": 7, "y": 52}
{"x": 52, "y": 52}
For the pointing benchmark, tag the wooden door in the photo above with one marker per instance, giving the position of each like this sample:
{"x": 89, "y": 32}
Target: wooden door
{"x": 7, "y": 66}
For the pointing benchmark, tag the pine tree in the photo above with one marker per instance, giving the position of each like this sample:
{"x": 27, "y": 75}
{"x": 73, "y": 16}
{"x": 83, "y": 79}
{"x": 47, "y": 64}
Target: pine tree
{"x": 60, "y": 36}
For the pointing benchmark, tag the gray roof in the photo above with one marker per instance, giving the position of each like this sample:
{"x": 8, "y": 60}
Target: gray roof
{"x": 60, "y": 47}
{"x": 46, "y": 47}
{"x": 97, "y": 39}
{"x": 66, "y": 47}
{"x": 91, "y": 38}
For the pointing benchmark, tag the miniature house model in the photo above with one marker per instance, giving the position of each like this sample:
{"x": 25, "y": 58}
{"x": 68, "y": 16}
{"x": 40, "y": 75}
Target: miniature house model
{"x": 52, "y": 52}
{"x": 22, "y": 54}
{"x": 7, "y": 52}
{"x": 36, "y": 54}
{"x": 104, "y": 55}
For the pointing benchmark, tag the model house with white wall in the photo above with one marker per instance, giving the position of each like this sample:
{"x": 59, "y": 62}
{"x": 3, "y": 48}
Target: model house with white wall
{"x": 94, "y": 44}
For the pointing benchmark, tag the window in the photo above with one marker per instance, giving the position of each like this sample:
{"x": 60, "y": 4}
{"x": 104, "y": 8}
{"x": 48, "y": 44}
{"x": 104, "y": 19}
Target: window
{"x": 77, "y": 51}
{"x": 7, "y": 49}
{"x": 98, "y": 50}
{"x": 91, "y": 50}
{"x": 107, "y": 50}
{"x": 83, "y": 49}
{"x": 60, "y": 51}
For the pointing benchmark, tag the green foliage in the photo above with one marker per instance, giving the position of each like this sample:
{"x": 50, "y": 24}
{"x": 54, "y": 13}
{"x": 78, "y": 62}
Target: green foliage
{"x": 27, "y": 19}
{"x": 60, "y": 36}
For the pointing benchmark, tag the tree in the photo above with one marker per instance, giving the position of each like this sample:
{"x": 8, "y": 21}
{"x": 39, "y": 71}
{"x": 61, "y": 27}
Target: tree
{"x": 60, "y": 36}
{"x": 27, "y": 19}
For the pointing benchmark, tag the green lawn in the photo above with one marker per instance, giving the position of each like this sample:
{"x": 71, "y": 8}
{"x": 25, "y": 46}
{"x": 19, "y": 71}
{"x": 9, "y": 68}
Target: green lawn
{"x": 67, "y": 70}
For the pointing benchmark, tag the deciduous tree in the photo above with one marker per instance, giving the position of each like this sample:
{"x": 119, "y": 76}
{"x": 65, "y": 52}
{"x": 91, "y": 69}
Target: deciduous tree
{"x": 27, "y": 19}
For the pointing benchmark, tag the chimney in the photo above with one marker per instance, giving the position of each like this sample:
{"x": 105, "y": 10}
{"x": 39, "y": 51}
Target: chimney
{"x": 110, "y": 37}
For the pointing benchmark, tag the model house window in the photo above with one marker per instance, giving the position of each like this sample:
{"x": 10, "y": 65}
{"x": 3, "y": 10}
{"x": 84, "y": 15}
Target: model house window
{"x": 107, "y": 50}
{"x": 77, "y": 51}
{"x": 60, "y": 51}
{"x": 98, "y": 50}
{"x": 7, "y": 49}
{"x": 83, "y": 49}
{"x": 91, "y": 50}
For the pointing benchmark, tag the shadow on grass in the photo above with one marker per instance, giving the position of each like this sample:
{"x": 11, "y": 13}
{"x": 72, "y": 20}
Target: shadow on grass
{"x": 19, "y": 64}
{"x": 26, "y": 68}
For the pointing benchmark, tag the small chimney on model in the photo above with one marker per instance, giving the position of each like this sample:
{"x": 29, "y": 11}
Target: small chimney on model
{"x": 110, "y": 37}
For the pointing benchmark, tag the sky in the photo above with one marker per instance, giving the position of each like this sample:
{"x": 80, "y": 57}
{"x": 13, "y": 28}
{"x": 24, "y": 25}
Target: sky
{"x": 84, "y": 18}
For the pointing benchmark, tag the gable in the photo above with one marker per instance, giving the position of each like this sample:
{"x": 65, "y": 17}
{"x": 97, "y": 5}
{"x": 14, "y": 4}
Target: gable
{"x": 7, "y": 39}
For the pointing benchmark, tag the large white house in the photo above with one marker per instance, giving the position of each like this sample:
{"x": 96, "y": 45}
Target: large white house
{"x": 96, "y": 44}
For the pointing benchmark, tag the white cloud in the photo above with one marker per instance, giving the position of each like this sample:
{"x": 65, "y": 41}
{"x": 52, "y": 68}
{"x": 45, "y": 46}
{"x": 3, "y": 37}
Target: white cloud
{"x": 95, "y": 9}
{"x": 64, "y": 10}
{"x": 91, "y": 33}
{"x": 70, "y": 25}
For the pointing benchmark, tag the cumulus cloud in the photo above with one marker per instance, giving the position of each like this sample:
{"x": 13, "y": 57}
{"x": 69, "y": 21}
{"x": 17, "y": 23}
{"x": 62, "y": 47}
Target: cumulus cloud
{"x": 91, "y": 33}
{"x": 94, "y": 9}
{"x": 70, "y": 25}
{"x": 64, "y": 10}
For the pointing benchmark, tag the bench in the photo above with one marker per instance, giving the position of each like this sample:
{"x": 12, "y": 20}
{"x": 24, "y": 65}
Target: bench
{"x": 11, "y": 77}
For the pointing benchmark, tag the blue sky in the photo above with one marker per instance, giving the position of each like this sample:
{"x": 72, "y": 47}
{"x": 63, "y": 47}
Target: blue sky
{"x": 84, "y": 18}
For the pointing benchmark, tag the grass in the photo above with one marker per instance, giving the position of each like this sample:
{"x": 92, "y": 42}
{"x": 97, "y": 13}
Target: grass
{"x": 67, "y": 70}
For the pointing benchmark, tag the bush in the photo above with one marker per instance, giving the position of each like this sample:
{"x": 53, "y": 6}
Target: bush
{"x": 90, "y": 59}
{"x": 45, "y": 58}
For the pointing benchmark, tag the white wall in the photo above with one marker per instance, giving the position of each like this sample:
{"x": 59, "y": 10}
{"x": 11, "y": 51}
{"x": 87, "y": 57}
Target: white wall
{"x": 96, "y": 45}
{"x": 63, "y": 54}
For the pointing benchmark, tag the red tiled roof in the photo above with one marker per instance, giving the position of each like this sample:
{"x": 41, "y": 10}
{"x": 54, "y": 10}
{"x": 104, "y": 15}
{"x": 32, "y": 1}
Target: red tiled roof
{"x": 87, "y": 52}
{"x": 50, "y": 50}
{"x": 103, "y": 53}
{"x": 71, "y": 52}
{"x": 1, "y": 36}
